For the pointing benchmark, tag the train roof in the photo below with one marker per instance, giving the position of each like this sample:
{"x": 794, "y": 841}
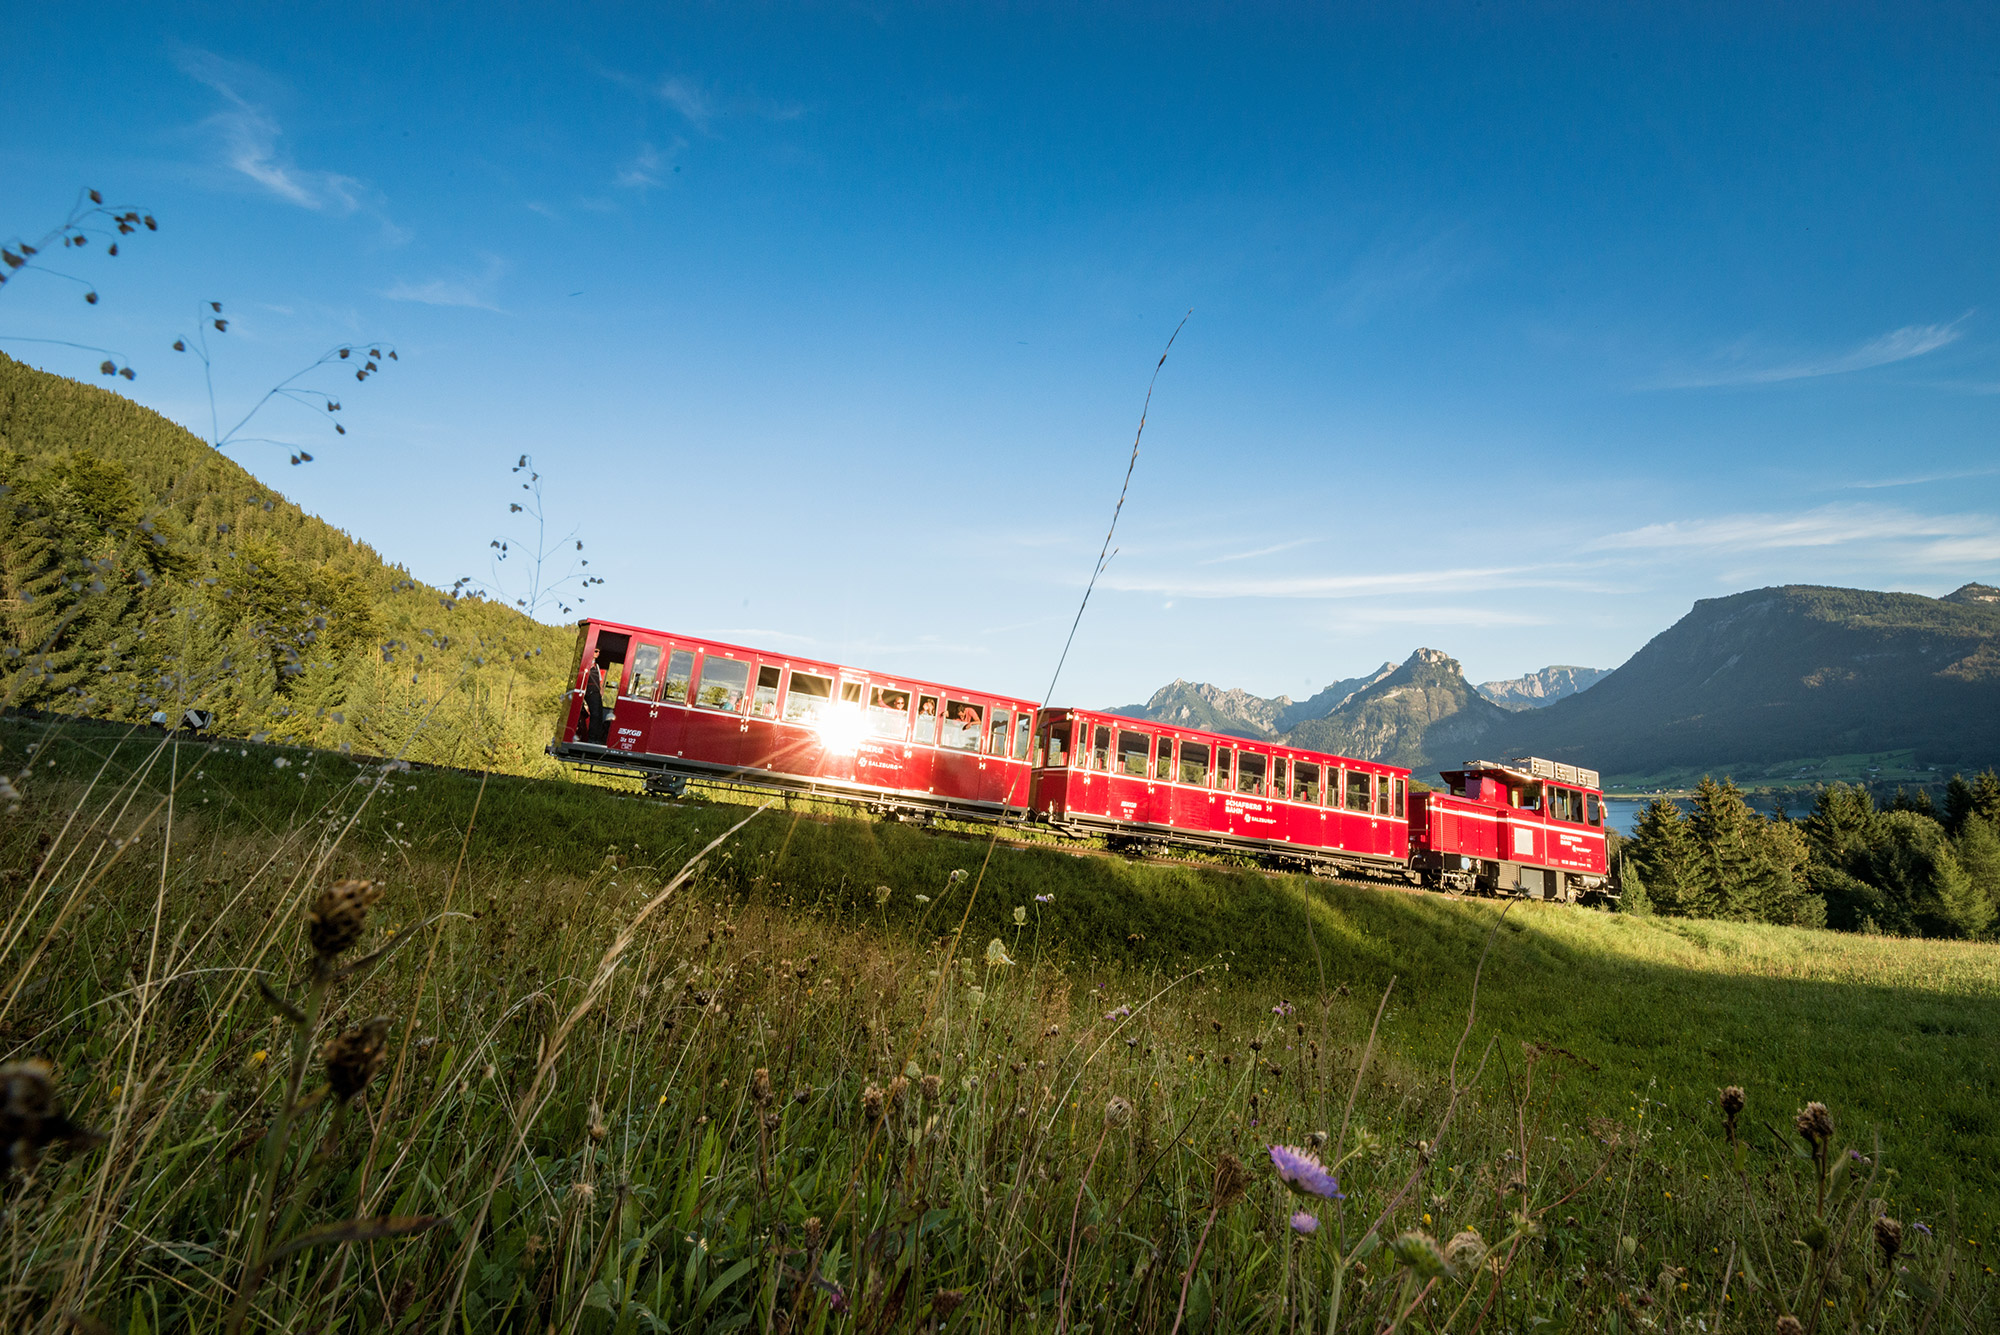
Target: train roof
{"x": 1240, "y": 743}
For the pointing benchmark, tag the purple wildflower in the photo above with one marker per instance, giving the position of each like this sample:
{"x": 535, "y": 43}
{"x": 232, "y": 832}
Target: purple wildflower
{"x": 1123, "y": 1012}
{"x": 1922, "y": 1228}
{"x": 834, "y": 1297}
{"x": 1304, "y": 1224}
{"x": 1045, "y": 899}
{"x": 1302, "y": 1171}
{"x": 1282, "y": 1009}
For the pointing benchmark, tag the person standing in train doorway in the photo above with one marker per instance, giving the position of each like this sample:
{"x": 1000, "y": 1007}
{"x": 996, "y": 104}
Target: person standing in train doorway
{"x": 596, "y": 725}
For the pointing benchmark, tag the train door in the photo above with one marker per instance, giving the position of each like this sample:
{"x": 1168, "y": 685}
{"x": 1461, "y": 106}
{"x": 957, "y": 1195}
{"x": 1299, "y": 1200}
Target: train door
{"x": 633, "y": 717}
{"x": 840, "y": 728}
{"x": 1128, "y": 796}
{"x": 668, "y": 733}
{"x": 996, "y": 771}
{"x": 802, "y": 712}
{"x": 1194, "y": 797}
{"x": 958, "y": 767}
{"x": 762, "y": 743}
{"x": 714, "y": 731}
{"x": 1049, "y": 763}
{"x": 1166, "y": 772}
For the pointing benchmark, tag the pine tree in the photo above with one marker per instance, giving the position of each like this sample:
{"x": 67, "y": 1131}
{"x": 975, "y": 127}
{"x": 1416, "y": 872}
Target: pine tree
{"x": 1664, "y": 851}
{"x": 1925, "y": 891}
{"x": 1957, "y": 804}
{"x": 1978, "y": 849}
{"x": 1731, "y": 872}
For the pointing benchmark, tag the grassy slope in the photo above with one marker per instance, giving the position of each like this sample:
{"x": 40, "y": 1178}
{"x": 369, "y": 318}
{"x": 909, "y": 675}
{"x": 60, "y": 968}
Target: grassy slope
{"x": 1890, "y": 1033}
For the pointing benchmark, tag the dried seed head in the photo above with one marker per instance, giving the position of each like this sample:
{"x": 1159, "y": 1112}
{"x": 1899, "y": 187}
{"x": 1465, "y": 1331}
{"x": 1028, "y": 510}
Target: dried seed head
{"x": 1464, "y": 1252}
{"x": 1117, "y": 1112}
{"x": 1232, "y": 1179}
{"x": 1732, "y": 1101}
{"x": 931, "y": 1086}
{"x": 1316, "y": 1139}
{"x": 760, "y": 1087}
{"x": 1789, "y": 1325}
{"x": 339, "y": 916}
{"x": 871, "y": 1104}
{"x": 899, "y": 1089}
{"x": 1815, "y": 1123}
{"x": 812, "y": 1231}
{"x": 1888, "y": 1237}
{"x": 353, "y": 1058}
{"x": 29, "y": 1121}
{"x": 946, "y": 1301}
{"x": 596, "y": 1128}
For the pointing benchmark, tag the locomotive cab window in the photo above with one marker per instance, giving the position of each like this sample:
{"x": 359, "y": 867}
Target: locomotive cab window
{"x": 1134, "y": 753}
{"x": 1357, "y": 792}
{"x": 1305, "y": 783}
{"x": 1596, "y": 809}
{"x": 764, "y": 703}
{"x": 645, "y": 671}
{"x": 723, "y": 681}
{"x": 1194, "y": 763}
{"x": 996, "y": 733}
{"x": 1163, "y": 769}
{"x": 961, "y": 726}
{"x": 1100, "y": 748}
{"x": 1250, "y": 773}
{"x": 1566, "y": 804}
{"x": 808, "y": 698}
{"x": 927, "y": 720}
{"x": 888, "y": 711}
{"x": 680, "y": 675}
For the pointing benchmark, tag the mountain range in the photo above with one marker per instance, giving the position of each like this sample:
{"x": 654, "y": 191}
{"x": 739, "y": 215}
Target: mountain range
{"x": 1755, "y": 678}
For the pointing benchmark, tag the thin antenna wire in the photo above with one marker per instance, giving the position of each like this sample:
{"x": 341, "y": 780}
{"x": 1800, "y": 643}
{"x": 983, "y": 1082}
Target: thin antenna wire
{"x": 1105, "y": 553}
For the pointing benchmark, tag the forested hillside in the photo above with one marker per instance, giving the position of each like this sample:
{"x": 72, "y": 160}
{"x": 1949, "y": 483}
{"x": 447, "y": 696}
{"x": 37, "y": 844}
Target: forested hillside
{"x": 140, "y": 570}
{"x": 1796, "y": 671}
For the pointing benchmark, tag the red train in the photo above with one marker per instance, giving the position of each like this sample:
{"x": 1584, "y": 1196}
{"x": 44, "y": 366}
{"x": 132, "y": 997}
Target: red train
{"x": 675, "y": 707}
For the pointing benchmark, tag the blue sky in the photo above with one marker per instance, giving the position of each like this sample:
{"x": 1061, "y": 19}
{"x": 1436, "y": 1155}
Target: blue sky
{"x": 1515, "y": 329}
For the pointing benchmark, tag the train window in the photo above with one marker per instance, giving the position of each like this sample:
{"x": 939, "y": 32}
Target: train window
{"x": 1053, "y": 752}
{"x": 1163, "y": 770}
{"x": 1382, "y": 796}
{"x": 764, "y": 703}
{"x": 808, "y": 697}
{"x": 1596, "y": 809}
{"x": 723, "y": 681}
{"x": 1194, "y": 763}
{"x": 645, "y": 671}
{"x": 1305, "y": 783}
{"x": 996, "y": 733}
{"x": 850, "y": 692}
{"x": 1280, "y": 774}
{"x": 1022, "y": 726}
{"x": 1357, "y": 792}
{"x": 1135, "y": 752}
{"x": 1222, "y": 768}
{"x": 961, "y": 725}
{"x": 888, "y": 711}
{"x": 1398, "y": 810}
{"x": 680, "y": 674}
{"x": 1566, "y": 804}
{"x": 1100, "y": 748}
{"x": 927, "y": 720}
{"x": 1250, "y": 773}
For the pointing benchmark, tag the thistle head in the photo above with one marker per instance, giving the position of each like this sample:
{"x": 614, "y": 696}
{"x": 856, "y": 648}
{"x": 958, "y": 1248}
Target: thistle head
{"x": 1117, "y": 1112}
{"x": 760, "y": 1087}
{"x": 871, "y": 1104}
{"x": 1888, "y": 1237}
{"x": 339, "y": 916}
{"x": 931, "y": 1086}
{"x": 1815, "y": 1123}
{"x": 353, "y": 1058}
{"x": 899, "y": 1090}
{"x": 1789, "y": 1325}
{"x": 1732, "y": 1101}
{"x": 1232, "y": 1179}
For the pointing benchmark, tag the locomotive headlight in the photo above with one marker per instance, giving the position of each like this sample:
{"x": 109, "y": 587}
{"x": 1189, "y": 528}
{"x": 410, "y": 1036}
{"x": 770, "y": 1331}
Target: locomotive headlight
{"x": 841, "y": 729}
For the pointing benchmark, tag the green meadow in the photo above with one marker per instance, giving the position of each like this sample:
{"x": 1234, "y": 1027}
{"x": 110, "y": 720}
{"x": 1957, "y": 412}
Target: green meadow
{"x": 600, "y": 1062}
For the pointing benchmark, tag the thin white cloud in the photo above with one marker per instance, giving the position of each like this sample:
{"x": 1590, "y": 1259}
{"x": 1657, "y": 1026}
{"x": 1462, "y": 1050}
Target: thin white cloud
{"x": 1920, "y": 479}
{"x": 1898, "y": 345}
{"x": 474, "y": 292}
{"x": 688, "y": 98}
{"x": 1398, "y": 615}
{"x": 1881, "y": 533}
{"x": 648, "y": 168}
{"x": 251, "y": 140}
{"x": 1272, "y": 550}
{"x": 1462, "y": 580}
{"x": 702, "y": 106}
{"x": 1402, "y": 272}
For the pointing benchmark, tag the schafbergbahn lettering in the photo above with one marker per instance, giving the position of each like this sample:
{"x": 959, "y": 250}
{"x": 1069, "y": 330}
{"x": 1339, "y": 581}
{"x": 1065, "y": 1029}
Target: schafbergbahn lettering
{"x": 672, "y": 707}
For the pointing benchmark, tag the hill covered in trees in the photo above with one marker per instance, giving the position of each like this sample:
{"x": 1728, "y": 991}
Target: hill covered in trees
{"x": 141, "y": 571}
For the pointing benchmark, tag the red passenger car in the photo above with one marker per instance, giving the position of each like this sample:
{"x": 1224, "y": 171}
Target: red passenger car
{"x": 1147, "y": 784}
{"x": 679, "y": 707}
{"x": 1514, "y": 827}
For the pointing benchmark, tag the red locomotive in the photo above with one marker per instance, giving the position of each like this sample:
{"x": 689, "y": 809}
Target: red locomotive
{"x": 672, "y": 707}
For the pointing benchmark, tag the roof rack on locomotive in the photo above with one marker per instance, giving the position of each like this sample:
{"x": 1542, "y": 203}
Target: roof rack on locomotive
{"x": 1529, "y": 827}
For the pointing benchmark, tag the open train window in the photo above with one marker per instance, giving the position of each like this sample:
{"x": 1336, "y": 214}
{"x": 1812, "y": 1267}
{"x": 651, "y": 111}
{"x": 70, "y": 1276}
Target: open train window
{"x": 645, "y": 672}
{"x": 680, "y": 675}
{"x": 927, "y": 720}
{"x": 1250, "y": 773}
{"x": 1382, "y": 795}
{"x": 1100, "y": 748}
{"x": 1222, "y": 768}
{"x": 962, "y": 721}
{"x": 1053, "y": 752}
{"x": 764, "y": 700}
{"x": 1023, "y": 729}
{"x": 888, "y": 712}
{"x": 1135, "y": 753}
{"x": 1194, "y": 763}
{"x": 723, "y": 681}
{"x": 1280, "y": 778}
{"x": 1164, "y": 768}
{"x": 808, "y": 697}
{"x": 1305, "y": 783}
{"x": 1357, "y": 792}
{"x": 996, "y": 733}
